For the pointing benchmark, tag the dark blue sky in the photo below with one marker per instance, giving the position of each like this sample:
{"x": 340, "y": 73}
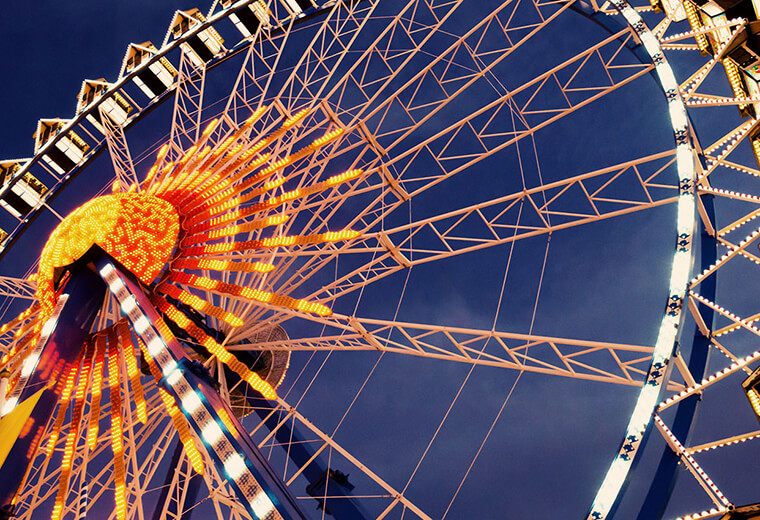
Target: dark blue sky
{"x": 551, "y": 445}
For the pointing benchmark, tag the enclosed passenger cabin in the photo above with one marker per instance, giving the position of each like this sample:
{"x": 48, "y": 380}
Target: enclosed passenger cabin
{"x": 248, "y": 19}
{"x": 297, "y": 7}
{"x": 68, "y": 151}
{"x": 114, "y": 105}
{"x": 202, "y": 47}
{"x": 25, "y": 193}
{"x": 153, "y": 79}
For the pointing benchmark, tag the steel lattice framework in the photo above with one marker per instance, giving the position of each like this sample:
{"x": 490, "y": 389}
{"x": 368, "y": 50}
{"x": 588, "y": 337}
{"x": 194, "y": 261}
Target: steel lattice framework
{"x": 415, "y": 99}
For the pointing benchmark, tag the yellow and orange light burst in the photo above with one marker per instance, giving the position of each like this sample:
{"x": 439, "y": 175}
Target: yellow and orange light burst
{"x": 214, "y": 348}
{"x": 139, "y": 231}
{"x": 187, "y": 211}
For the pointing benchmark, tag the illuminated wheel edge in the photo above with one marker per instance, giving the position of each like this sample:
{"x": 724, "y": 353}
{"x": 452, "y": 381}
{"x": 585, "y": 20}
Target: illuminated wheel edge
{"x": 613, "y": 485}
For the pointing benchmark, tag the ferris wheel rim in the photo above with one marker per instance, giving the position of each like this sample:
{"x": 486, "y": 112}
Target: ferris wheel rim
{"x": 166, "y": 95}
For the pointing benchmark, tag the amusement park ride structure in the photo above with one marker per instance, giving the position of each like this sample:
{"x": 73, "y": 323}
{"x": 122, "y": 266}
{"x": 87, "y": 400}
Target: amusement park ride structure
{"x": 150, "y": 355}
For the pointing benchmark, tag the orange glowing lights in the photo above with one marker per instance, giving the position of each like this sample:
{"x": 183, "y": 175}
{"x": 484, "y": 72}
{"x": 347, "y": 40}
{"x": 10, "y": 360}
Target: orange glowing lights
{"x": 252, "y": 378}
{"x": 199, "y": 304}
{"x": 223, "y": 265}
{"x": 268, "y": 243}
{"x": 195, "y": 204}
{"x": 208, "y": 284}
{"x": 73, "y": 433}
{"x": 68, "y": 386}
{"x": 117, "y": 444}
{"x": 137, "y": 230}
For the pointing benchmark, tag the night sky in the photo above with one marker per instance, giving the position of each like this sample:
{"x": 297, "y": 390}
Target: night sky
{"x": 554, "y": 438}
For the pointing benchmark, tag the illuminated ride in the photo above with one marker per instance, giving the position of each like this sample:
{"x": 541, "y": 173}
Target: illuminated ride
{"x": 173, "y": 352}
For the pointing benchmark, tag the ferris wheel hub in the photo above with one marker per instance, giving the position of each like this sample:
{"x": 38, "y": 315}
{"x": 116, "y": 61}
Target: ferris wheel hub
{"x": 138, "y": 230}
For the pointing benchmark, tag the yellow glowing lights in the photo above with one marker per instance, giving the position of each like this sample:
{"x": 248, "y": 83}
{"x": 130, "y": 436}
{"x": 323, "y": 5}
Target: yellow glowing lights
{"x": 233, "y": 230}
{"x": 692, "y": 15}
{"x": 157, "y": 229}
{"x": 68, "y": 386}
{"x": 215, "y": 348}
{"x": 223, "y": 265}
{"x": 127, "y": 348}
{"x": 756, "y": 148}
{"x": 199, "y": 304}
{"x": 734, "y": 78}
{"x": 73, "y": 433}
{"x": 272, "y": 242}
{"x": 754, "y": 400}
{"x": 117, "y": 445}
{"x": 137, "y": 230}
{"x": 203, "y": 283}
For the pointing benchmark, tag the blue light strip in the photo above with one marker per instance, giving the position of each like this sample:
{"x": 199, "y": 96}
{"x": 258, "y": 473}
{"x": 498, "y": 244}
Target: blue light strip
{"x": 610, "y": 491}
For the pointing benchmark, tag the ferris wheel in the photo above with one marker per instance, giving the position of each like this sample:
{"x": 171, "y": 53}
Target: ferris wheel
{"x": 389, "y": 259}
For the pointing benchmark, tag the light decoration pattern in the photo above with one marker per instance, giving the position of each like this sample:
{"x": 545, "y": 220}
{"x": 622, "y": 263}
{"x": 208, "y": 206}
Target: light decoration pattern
{"x": 710, "y": 513}
{"x": 67, "y": 384}
{"x": 739, "y": 364}
{"x": 734, "y": 78}
{"x": 689, "y": 461}
{"x": 727, "y": 442}
{"x": 643, "y": 413}
{"x": 696, "y": 24}
{"x": 166, "y": 231}
{"x": 73, "y": 433}
{"x": 117, "y": 444}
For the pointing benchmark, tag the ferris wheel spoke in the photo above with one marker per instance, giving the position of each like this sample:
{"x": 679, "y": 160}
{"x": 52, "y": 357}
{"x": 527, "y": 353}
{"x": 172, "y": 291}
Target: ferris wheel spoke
{"x": 118, "y": 149}
{"x": 332, "y": 43}
{"x": 17, "y": 288}
{"x": 579, "y": 359}
{"x": 288, "y": 413}
{"x": 399, "y": 257}
{"x": 483, "y": 126}
{"x": 533, "y": 212}
{"x": 188, "y": 106}
{"x": 342, "y": 21}
{"x": 417, "y": 185}
{"x": 702, "y": 478}
{"x": 451, "y": 74}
